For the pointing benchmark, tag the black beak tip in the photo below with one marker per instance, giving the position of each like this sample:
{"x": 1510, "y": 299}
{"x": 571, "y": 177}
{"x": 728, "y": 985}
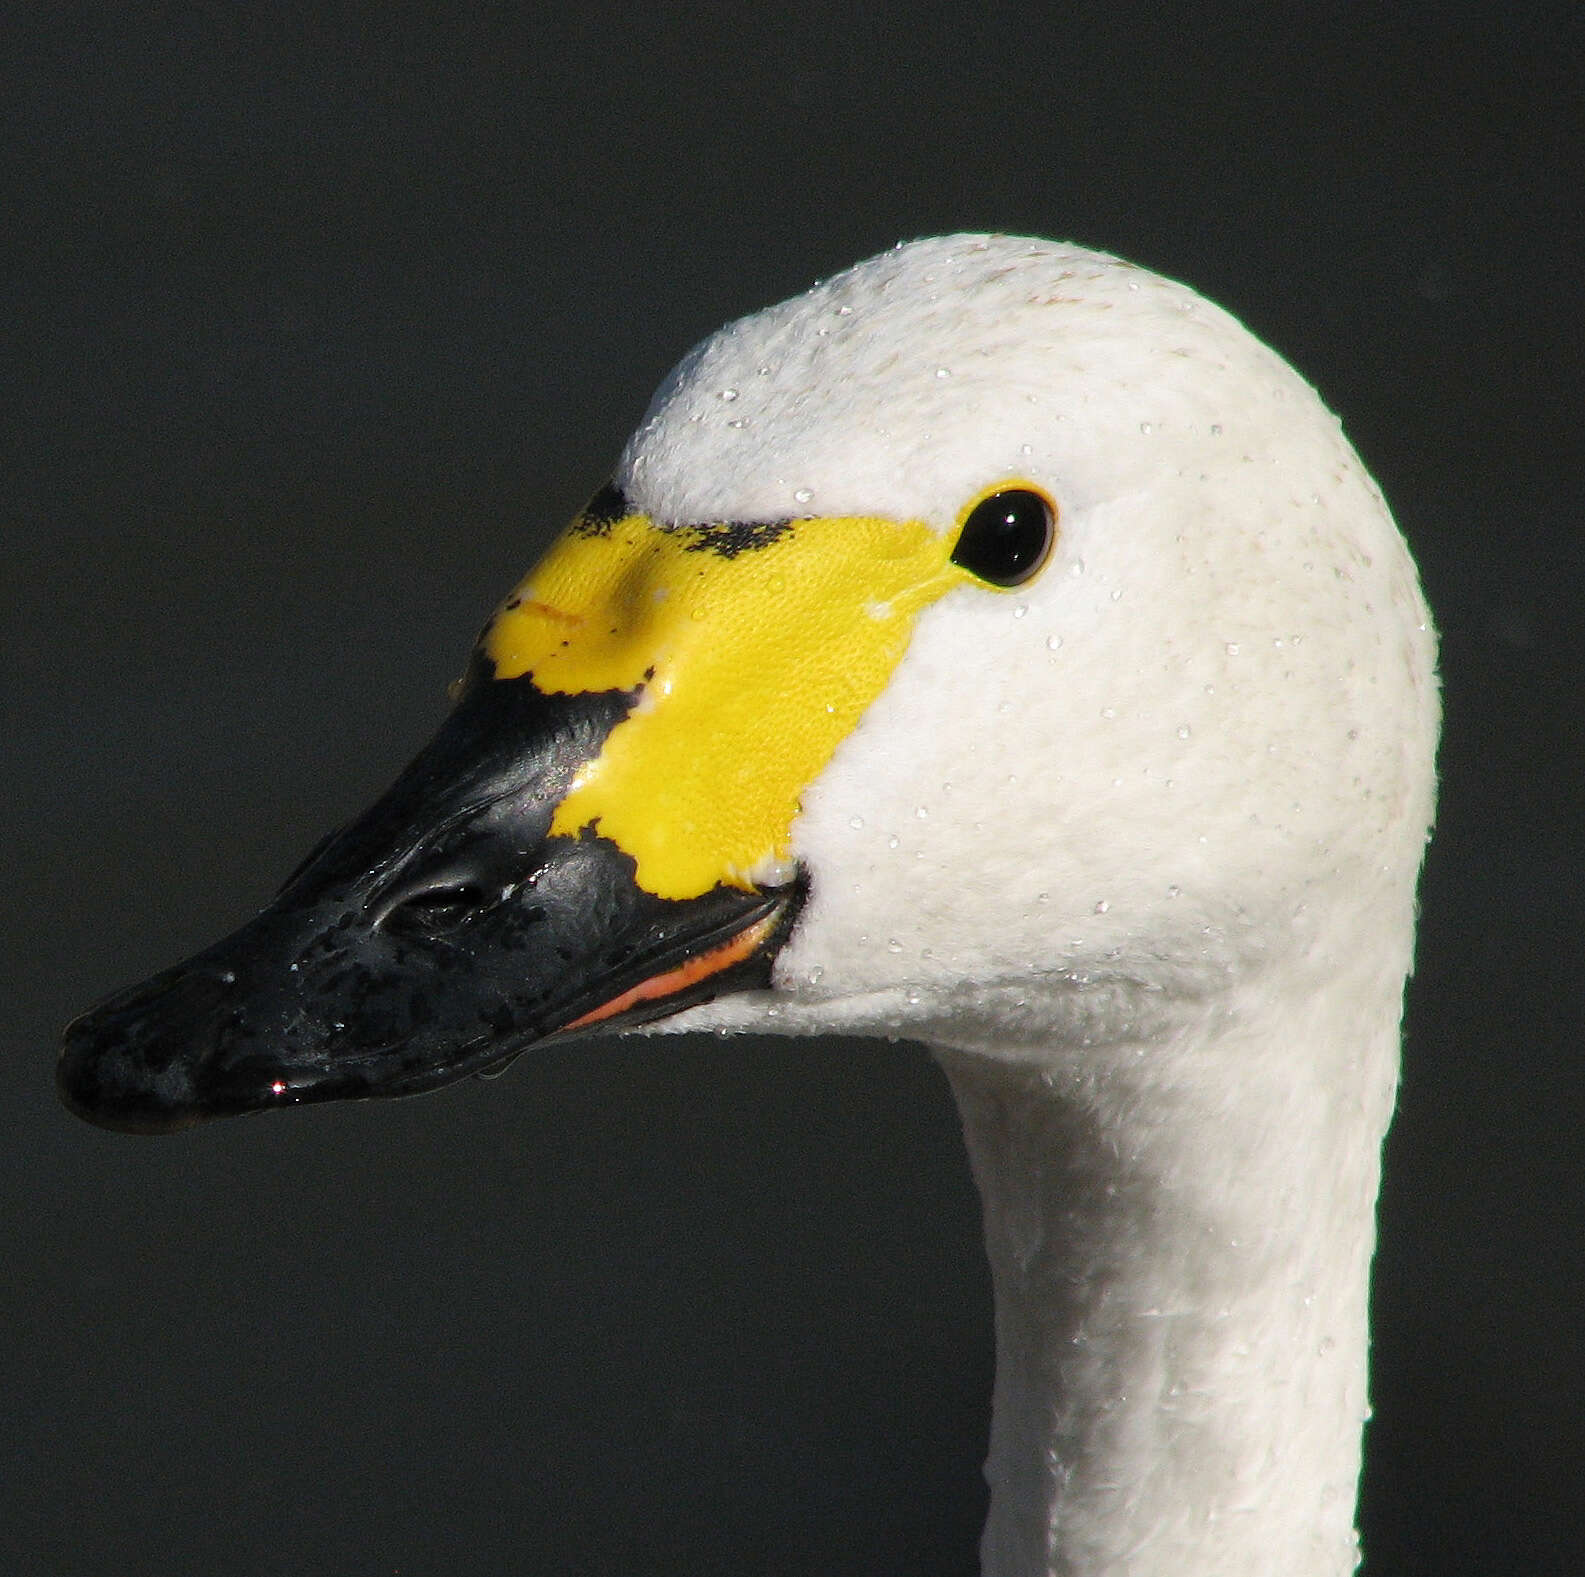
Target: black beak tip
{"x": 106, "y": 1084}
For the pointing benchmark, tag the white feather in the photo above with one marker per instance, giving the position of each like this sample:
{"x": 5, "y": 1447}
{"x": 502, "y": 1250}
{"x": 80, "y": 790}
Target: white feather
{"x": 1134, "y": 847}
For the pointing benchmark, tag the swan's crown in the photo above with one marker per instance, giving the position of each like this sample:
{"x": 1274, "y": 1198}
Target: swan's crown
{"x": 1198, "y": 740}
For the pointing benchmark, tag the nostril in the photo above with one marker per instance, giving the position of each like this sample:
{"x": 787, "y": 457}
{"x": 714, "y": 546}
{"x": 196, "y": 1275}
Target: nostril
{"x": 435, "y": 910}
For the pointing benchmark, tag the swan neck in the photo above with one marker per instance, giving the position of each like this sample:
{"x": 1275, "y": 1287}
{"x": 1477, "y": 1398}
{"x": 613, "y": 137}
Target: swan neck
{"x": 1179, "y": 1237}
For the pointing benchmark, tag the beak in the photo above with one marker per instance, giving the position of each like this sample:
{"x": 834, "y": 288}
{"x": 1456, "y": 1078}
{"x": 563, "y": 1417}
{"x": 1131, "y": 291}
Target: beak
{"x": 600, "y": 834}
{"x": 437, "y": 936}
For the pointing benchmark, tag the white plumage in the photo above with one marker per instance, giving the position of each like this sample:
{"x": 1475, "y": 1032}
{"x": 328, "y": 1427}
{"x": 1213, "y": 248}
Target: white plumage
{"x": 1133, "y": 847}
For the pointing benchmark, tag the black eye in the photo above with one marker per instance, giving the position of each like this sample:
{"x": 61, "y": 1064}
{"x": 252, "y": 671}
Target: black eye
{"x": 1007, "y": 536}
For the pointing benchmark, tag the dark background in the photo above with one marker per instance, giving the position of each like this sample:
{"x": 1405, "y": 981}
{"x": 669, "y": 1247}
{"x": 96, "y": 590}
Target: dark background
{"x": 313, "y": 332}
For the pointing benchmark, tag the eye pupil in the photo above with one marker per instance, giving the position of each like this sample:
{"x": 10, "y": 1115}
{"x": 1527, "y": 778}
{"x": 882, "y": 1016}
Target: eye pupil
{"x": 1006, "y": 537}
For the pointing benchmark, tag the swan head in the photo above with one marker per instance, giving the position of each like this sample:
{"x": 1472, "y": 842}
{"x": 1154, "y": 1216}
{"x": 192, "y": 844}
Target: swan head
{"x": 1195, "y": 742}
{"x": 993, "y": 623}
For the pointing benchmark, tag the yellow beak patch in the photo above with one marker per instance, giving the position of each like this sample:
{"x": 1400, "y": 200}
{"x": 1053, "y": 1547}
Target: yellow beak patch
{"x": 754, "y": 648}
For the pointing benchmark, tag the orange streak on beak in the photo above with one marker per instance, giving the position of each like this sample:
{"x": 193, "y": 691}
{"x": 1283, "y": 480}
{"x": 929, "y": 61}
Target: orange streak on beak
{"x": 730, "y": 952}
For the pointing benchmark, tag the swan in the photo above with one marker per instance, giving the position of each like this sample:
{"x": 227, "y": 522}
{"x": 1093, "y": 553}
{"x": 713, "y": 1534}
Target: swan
{"x": 995, "y": 646}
